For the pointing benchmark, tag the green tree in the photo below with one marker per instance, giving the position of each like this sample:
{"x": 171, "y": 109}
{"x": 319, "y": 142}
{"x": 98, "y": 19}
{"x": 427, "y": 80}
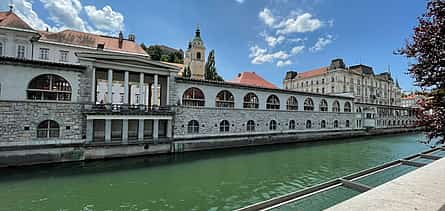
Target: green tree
{"x": 155, "y": 52}
{"x": 164, "y": 58}
{"x": 210, "y": 69}
{"x": 427, "y": 49}
{"x": 187, "y": 73}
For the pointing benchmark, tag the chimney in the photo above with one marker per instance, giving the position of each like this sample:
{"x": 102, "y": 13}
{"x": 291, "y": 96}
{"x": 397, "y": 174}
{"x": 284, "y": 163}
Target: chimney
{"x": 100, "y": 46}
{"x": 132, "y": 37}
{"x": 121, "y": 39}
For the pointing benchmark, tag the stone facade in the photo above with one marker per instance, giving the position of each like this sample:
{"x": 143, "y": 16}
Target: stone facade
{"x": 20, "y": 119}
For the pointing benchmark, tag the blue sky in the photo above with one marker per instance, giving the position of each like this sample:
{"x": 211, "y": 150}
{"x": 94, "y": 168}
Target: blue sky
{"x": 269, "y": 37}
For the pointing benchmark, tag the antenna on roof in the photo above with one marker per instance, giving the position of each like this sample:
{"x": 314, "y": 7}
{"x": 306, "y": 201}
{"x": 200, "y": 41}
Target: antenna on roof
{"x": 389, "y": 69}
{"x": 11, "y": 6}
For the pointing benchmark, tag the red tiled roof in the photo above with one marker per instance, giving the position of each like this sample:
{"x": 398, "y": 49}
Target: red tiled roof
{"x": 252, "y": 79}
{"x": 10, "y": 19}
{"x": 312, "y": 73}
{"x": 91, "y": 40}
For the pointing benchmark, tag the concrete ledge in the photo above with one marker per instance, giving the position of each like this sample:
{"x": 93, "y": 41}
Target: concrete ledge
{"x": 421, "y": 189}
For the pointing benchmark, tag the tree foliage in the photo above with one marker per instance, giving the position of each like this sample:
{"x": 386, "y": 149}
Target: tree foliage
{"x": 187, "y": 73}
{"x": 164, "y": 53}
{"x": 210, "y": 69}
{"x": 427, "y": 49}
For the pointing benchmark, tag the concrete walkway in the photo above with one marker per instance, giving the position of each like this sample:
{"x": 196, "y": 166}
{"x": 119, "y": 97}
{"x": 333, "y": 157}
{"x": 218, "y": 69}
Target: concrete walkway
{"x": 421, "y": 189}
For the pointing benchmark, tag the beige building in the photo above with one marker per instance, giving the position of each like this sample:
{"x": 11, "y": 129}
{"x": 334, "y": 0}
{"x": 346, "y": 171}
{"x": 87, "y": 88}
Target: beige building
{"x": 358, "y": 81}
{"x": 195, "y": 57}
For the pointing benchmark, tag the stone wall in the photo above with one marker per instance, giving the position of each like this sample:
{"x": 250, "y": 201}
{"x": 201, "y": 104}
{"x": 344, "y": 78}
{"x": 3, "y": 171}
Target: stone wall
{"x": 20, "y": 119}
{"x": 210, "y": 118}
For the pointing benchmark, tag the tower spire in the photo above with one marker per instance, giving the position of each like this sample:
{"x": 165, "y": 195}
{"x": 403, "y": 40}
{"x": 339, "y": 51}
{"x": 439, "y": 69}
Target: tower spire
{"x": 11, "y": 6}
{"x": 198, "y": 32}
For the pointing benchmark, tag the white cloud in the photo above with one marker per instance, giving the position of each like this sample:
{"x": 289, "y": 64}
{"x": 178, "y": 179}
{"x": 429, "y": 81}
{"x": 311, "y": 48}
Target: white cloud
{"x": 66, "y": 14}
{"x": 273, "y": 41}
{"x": 297, "y": 49}
{"x": 298, "y": 24}
{"x": 105, "y": 18}
{"x": 267, "y": 17}
{"x": 284, "y": 63}
{"x": 260, "y": 55}
{"x": 240, "y": 1}
{"x": 321, "y": 43}
{"x": 23, "y": 8}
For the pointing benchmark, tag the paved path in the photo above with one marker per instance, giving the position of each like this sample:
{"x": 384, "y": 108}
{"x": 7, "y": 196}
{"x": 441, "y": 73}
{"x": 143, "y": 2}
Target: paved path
{"x": 421, "y": 189}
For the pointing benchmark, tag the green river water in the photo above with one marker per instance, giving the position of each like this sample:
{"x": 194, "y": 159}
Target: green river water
{"x": 210, "y": 180}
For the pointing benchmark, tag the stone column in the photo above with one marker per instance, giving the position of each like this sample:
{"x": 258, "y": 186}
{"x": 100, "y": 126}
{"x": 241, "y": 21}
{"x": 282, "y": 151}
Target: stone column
{"x": 93, "y": 85}
{"x": 126, "y": 78}
{"x": 169, "y": 129}
{"x": 110, "y": 86}
{"x": 125, "y": 131}
{"x": 90, "y": 129}
{"x": 141, "y": 89}
{"x": 155, "y": 91}
{"x": 107, "y": 130}
{"x": 167, "y": 96}
{"x": 141, "y": 130}
{"x": 155, "y": 130}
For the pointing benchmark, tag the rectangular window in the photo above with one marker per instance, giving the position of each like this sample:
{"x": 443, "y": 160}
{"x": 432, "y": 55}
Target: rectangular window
{"x": 1, "y": 49}
{"x": 44, "y": 53}
{"x": 20, "y": 51}
{"x": 63, "y": 56}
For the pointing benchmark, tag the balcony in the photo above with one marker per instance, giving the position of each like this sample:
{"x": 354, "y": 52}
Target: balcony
{"x": 123, "y": 109}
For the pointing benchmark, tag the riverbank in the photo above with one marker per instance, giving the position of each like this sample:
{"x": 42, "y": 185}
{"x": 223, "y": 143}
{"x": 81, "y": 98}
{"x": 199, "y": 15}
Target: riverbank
{"x": 19, "y": 154}
{"x": 420, "y": 189}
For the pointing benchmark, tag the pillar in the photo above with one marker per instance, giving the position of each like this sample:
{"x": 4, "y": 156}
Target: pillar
{"x": 125, "y": 131}
{"x": 141, "y": 130}
{"x": 155, "y": 91}
{"x": 141, "y": 89}
{"x": 90, "y": 129}
{"x": 93, "y": 85}
{"x": 155, "y": 129}
{"x": 107, "y": 130}
{"x": 169, "y": 129}
{"x": 110, "y": 86}
{"x": 126, "y": 78}
{"x": 167, "y": 95}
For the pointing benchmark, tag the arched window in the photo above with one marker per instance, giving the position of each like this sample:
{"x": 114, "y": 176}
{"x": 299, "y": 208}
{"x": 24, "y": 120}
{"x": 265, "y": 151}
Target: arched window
{"x": 323, "y": 105}
{"x": 308, "y": 124}
{"x": 198, "y": 55}
{"x": 347, "y": 107}
{"x": 292, "y": 103}
{"x": 335, "y": 123}
{"x": 193, "y": 97}
{"x": 323, "y": 124}
{"x": 272, "y": 125}
{"x": 292, "y": 125}
{"x": 1, "y": 49}
{"x": 224, "y": 126}
{"x": 250, "y": 126}
{"x": 225, "y": 99}
{"x": 308, "y": 104}
{"x": 250, "y": 101}
{"x": 273, "y": 102}
{"x": 336, "y": 106}
{"x": 48, "y": 129}
{"x": 193, "y": 127}
{"x": 348, "y": 123}
{"x": 49, "y": 87}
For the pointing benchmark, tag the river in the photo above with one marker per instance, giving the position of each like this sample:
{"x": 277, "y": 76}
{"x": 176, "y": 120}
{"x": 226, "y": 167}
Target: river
{"x": 209, "y": 180}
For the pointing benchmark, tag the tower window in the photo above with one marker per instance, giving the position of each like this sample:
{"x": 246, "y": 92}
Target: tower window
{"x": 198, "y": 55}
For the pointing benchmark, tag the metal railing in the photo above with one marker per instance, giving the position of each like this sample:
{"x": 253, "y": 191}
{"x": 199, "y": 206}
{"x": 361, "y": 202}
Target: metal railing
{"x": 346, "y": 181}
{"x": 126, "y": 108}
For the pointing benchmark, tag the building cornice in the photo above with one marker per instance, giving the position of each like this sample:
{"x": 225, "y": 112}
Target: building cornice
{"x": 38, "y": 63}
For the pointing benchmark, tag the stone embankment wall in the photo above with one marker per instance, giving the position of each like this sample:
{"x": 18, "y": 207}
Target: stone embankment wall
{"x": 20, "y": 119}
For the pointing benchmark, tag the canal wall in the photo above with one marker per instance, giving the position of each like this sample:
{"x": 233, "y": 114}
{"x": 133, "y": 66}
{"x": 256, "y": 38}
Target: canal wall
{"x": 31, "y": 153}
{"x": 221, "y": 142}
{"x": 421, "y": 189}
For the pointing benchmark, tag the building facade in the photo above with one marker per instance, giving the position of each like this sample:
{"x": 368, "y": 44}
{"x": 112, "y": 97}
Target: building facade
{"x": 358, "y": 81}
{"x": 102, "y": 90}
